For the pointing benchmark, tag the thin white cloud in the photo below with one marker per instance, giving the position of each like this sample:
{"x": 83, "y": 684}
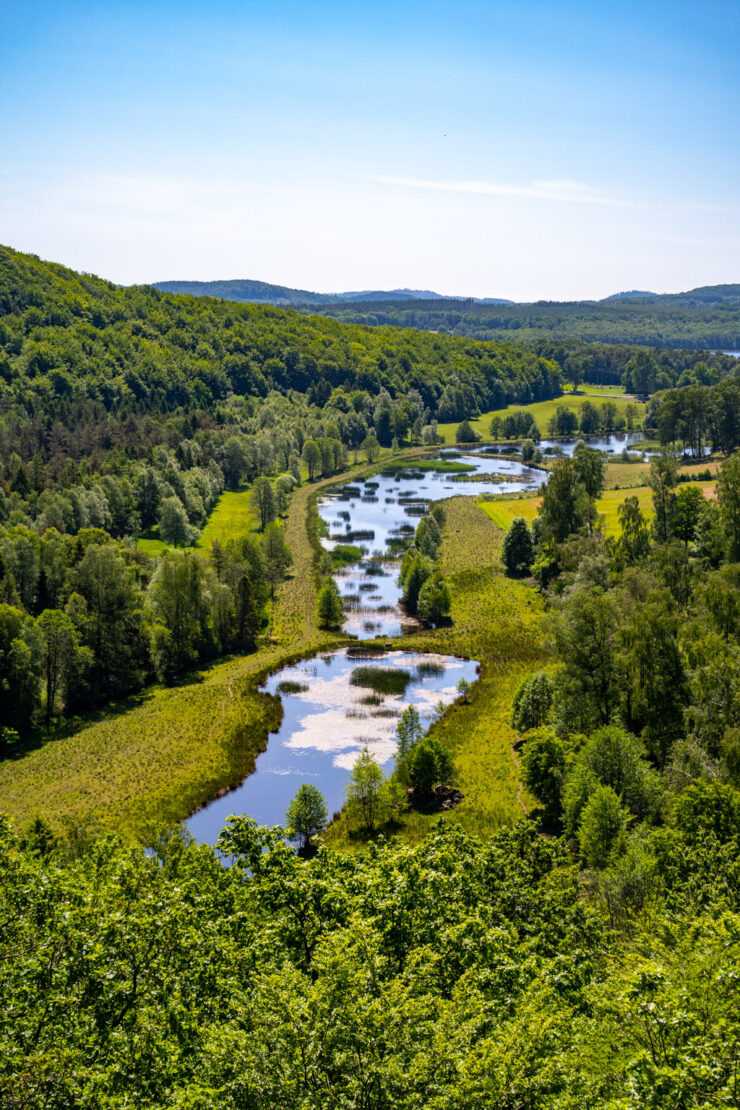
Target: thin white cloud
{"x": 563, "y": 189}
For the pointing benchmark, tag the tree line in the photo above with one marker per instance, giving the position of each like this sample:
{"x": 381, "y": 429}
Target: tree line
{"x": 477, "y": 973}
{"x": 88, "y": 618}
{"x": 632, "y": 736}
{"x": 662, "y": 324}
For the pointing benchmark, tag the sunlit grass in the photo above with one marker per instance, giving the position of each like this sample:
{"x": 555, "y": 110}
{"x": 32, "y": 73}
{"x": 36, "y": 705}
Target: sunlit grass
{"x": 232, "y": 517}
{"x": 498, "y": 622}
{"x": 503, "y": 511}
{"x": 542, "y": 411}
{"x": 157, "y": 757}
{"x": 151, "y": 546}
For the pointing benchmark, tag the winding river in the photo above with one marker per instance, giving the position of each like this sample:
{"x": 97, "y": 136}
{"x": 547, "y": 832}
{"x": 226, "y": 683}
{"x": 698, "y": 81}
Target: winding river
{"x": 333, "y": 704}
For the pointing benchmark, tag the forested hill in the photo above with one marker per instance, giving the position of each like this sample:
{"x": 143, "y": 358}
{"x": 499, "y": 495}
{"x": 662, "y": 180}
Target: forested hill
{"x": 68, "y": 338}
{"x": 701, "y": 319}
{"x": 262, "y": 292}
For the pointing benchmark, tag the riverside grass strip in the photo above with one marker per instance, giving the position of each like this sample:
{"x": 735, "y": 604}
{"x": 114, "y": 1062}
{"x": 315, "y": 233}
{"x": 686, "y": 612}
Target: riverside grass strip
{"x": 154, "y": 758}
{"x": 499, "y": 622}
{"x": 503, "y": 511}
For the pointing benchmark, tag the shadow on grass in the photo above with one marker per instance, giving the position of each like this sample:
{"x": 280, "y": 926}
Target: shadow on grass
{"x": 64, "y": 727}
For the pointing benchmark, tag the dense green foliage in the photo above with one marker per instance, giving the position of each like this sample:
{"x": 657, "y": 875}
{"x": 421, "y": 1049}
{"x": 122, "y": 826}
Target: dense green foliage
{"x": 642, "y": 707}
{"x": 306, "y": 815}
{"x": 96, "y": 619}
{"x": 662, "y": 322}
{"x": 425, "y": 591}
{"x": 698, "y": 416}
{"x": 72, "y": 342}
{"x": 518, "y": 550}
{"x": 454, "y": 974}
{"x": 126, "y": 412}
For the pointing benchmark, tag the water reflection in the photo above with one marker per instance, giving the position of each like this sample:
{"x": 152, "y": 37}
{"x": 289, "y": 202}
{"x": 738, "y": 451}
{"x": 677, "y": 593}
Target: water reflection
{"x": 379, "y": 515}
{"x": 327, "y": 720}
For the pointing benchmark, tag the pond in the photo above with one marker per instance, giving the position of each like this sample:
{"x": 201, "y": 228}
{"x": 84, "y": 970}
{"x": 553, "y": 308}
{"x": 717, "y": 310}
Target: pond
{"x": 333, "y": 705}
{"x": 380, "y": 513}
{"x": 612, "y": 444}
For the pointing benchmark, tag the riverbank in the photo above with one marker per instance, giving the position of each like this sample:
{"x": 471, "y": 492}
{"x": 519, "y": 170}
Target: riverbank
{"x": 156, "y": 758}
{"x": 498, "y": 621}
{"x": 152, "y": 759}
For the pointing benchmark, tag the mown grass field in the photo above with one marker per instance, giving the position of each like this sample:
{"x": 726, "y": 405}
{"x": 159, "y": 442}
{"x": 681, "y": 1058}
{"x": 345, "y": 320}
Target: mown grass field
{"x": 231, "y": 517}
{"x": 497, "y": 621}
{"x": 542, "y": 411}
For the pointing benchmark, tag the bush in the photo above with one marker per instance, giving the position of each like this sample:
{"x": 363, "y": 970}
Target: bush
{"x": 429, "y": 764}
{"x": 709, "y": 807}
{"x": 434, "y": 600}
{"x": 545, "y": 761}
{"x": 307, "y": 814}
{"x": 330, "y": 605}
{"x": 465, "y": 433}
{"x": 603, "y": 825}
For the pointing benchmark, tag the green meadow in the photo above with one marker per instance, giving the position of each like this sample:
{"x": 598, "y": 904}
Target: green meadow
{"x": 497, "y": 621}
{"x": 542, "y": 411}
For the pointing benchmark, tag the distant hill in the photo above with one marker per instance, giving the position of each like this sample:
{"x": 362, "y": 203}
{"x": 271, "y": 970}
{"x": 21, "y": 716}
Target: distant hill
{"x": 703, "y": 318}
{"x": 630, "y": 295}
{"x": 700, "y": 319}
{"x": 705, "y": 295}
{"x": 262, "y": 292}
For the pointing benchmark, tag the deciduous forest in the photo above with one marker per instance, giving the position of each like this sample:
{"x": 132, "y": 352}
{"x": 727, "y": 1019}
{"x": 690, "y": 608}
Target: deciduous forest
{"x": 540, "y": 905}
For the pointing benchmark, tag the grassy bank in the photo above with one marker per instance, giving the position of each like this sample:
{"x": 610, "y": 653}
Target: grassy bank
{"x": 542, "y": 411}
{"x": 156, "y": 757}
{"x": 498, "y": 622}
{"x": 503, "y": 510}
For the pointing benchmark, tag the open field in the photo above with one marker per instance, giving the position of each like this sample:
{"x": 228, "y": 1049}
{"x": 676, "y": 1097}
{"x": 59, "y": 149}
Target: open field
{"x": 542, "y": 411}
{"x": 503, "y": 511}
{"x": 151, "y": 545}
{"x": 606, "y": 391}
{"x": 497, "y": 621}
{"x": 232, "y": 517}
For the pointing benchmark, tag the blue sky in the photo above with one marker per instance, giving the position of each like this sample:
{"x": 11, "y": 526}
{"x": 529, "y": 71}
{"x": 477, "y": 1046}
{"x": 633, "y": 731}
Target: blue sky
{"x": 524, "y": 149}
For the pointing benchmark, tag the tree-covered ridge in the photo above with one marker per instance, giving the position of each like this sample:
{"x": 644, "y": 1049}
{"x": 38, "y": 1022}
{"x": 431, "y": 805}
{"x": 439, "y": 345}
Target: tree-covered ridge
{"x": 663, "y": 322}
{"x": 126, "y": 412}
{"x": 67, "y": 339}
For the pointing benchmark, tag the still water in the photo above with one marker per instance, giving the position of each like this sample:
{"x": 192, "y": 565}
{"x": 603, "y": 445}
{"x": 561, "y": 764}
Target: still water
{"x": 380, "y": 513}
{"x": 328, "y": 717}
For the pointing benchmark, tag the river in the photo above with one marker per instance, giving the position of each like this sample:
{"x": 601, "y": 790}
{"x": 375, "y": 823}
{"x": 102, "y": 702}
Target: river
{"x": 327, "y": 716}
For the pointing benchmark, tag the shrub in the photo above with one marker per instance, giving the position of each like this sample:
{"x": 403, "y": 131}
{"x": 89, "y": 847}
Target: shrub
{"x": 465, "y": 433}
{"x": 429, "y": 763}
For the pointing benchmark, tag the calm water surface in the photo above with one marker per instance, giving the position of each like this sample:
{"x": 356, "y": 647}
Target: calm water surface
{"x": 379, "y": 513}
{"x": 325, "y": 725}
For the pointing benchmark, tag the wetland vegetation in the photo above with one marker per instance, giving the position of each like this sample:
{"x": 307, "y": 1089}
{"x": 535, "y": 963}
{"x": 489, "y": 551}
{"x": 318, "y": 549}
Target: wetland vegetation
{"x": 166, "y": 534}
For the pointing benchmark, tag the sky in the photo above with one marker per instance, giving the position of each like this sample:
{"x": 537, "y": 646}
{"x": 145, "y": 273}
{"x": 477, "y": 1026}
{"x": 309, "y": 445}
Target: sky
{"x": 529, "y": 150}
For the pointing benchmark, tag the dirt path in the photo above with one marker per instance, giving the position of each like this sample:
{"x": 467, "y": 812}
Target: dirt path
{"x": 519, "y": 798}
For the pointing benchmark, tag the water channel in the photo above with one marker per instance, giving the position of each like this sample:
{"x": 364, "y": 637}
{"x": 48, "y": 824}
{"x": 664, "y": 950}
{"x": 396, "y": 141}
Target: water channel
{"x": 336, "y": 703}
